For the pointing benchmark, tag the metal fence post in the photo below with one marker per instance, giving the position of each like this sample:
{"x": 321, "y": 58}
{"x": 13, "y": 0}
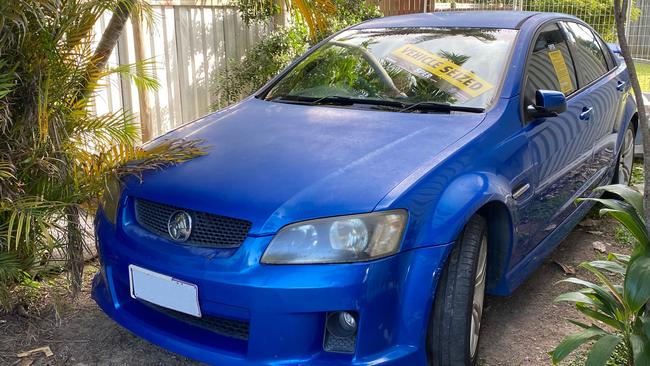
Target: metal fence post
{"x": 628, "y": 19}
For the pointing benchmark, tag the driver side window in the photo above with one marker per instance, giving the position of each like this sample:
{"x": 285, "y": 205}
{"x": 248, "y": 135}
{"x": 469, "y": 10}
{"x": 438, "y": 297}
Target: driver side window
{"x": 549, "y": 66}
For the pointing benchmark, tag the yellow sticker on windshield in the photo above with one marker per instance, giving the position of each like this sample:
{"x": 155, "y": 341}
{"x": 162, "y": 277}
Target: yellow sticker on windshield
{"x": 464, "y": 80}
{"x": 561, "y": 71}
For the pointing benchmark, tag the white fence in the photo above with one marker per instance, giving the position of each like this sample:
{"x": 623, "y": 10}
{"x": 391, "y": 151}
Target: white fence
{"x": 190, "y": 41}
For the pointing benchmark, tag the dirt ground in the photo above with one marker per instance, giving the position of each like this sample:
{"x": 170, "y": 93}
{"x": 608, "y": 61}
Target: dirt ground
{"x": 518, "y": 330}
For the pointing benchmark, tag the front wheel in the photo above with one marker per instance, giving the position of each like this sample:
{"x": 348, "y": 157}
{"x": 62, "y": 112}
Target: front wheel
{"x": 453, "y": 333}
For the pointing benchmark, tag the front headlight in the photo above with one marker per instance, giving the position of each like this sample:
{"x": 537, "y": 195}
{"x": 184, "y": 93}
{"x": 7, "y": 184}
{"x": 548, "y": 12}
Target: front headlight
{"x": 340, "y": 239}
{"x": 111, "y": 199}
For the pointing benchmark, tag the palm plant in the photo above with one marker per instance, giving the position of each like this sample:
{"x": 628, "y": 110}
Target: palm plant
{"x": 316, "y": 14}
{"x": 56, "y": 155}
{"x": 616, "y": 303}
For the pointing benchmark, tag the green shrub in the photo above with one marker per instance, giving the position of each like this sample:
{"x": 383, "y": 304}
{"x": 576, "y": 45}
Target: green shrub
{"x": 276, "y": 51}
{"x": 260, "y": 64}
{"x": 616, "y": 302}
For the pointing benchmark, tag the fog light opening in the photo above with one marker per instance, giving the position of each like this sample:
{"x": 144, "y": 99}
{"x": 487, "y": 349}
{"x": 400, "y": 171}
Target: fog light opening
{"x": 340, "y": 331}
{"x": 342, "y": 324}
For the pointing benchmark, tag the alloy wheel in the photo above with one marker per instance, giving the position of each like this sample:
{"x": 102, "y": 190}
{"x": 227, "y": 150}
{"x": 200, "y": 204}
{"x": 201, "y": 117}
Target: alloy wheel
{"x": 479, "y": 296}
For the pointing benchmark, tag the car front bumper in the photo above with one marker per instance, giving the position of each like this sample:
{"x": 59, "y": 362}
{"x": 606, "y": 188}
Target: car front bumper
{"x": 282, "y": 308}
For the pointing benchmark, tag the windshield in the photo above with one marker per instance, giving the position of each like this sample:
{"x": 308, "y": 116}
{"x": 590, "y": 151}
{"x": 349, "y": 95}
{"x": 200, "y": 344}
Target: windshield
{"x": 455, "y": 66}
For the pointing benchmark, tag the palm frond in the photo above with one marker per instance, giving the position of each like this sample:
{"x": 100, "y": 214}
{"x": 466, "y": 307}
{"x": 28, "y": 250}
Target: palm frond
{"x": 55, "y": 154}
{"x": 95, "y": 132}
{"x": 6, "y": 170}
{"x": 141, "y": 73}
{"x": 163, "y": 154}
{"x": 315, "y": 13}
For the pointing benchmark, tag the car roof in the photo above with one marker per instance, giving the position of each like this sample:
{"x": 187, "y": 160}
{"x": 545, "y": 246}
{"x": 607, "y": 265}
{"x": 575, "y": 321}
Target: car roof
{"x": 473, "y": 19}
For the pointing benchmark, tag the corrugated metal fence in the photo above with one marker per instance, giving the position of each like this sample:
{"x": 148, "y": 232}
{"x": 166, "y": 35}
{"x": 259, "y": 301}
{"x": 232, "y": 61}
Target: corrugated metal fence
{"x": 189, "y": 41}
{"x": 638, "y": 32}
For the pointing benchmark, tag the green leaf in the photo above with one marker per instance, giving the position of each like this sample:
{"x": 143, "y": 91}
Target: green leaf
{"x": 582, "y": 325}
{"x": 610, "y": 303}
{"x": 610, "y": 266}
{"x": 627, "y": 215}
{"x": 634, "y": 225}
{"x": 602, "y": 350}
{"x": 637, "y": 283}
{"x": 575, "y": 296}
{"x": 640, "y": 350}
{"x": 19, "y": 228}
{"x": 612, "y": 288}
{"x": 601, "y": 316}
{"x": 573, "y": 341}
{"x": 623, "y": 258}
{"x": 645, "y": 326}
{"x": 628, "y": 194}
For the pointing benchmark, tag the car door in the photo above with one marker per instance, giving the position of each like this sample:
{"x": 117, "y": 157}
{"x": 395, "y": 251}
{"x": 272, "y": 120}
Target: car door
{"x": 603, "y": 87}
{"x": 560, "y": 151}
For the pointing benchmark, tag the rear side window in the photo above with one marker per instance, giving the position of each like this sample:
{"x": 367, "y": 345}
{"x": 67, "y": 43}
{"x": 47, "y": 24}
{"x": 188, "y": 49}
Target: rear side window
{"x": 586, "y": 52}
{"x": 549, "y": 66}
{"x": 609, "y": 58}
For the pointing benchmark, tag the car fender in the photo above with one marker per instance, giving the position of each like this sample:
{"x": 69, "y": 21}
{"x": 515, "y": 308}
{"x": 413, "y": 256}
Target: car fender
{"x": 463, "y": 198}
{"x": 477, "y": 193}
{"x": 629, "y": 112}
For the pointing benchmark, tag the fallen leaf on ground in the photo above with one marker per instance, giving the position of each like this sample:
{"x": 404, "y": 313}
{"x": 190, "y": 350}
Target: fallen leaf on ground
{"x": 588, "y": 223}
{"x": 594, "y": 232}
{"x": 46, "y": 350}
{"x": 600, "y": 246}
{"x": 566, "y": 268}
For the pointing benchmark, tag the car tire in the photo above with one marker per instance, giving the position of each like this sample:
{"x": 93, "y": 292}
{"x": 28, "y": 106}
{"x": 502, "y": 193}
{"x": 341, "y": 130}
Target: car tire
{"x": 625, "y": 161}
{"x": 452, "y": 337}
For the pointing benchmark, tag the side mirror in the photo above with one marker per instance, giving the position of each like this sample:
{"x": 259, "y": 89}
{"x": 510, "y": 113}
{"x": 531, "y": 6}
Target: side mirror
{"x": 615, "y": 48}
{"x": 548, "y": 103}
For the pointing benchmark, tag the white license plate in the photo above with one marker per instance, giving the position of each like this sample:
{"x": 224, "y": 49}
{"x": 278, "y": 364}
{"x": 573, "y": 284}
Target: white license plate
{"x": 164, "y": 291}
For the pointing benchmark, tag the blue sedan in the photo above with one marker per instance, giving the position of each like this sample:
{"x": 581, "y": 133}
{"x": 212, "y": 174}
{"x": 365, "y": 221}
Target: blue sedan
{"x": 357, "y": 209}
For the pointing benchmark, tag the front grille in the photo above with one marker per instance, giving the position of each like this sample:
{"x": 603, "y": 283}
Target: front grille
{"x": 208, "y": 230}
{"x": 226, "y": 327}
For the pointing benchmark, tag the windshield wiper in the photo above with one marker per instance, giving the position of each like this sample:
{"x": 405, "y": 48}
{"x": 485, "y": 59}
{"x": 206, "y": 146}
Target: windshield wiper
{"x": 397, "y": 105}
{"x": 334, "y": 100}
{"x": 288, "y": 98}
{"x": 439, "y": 107}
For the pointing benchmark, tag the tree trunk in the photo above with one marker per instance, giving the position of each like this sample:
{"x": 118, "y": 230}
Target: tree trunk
{"x": 143, "y": 96}
{"x": 75, "y": 249}
{"x": 112, "y": 33}
{"x": 620, "y": 16}
{"x": 109, "y": 39}
{"x": 75, "y": 242}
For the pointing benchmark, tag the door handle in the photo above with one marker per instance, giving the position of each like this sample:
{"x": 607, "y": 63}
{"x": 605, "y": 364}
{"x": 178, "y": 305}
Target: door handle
{"x": 520, "y": 190}
{"x": 620, "y": 86}
{"x": 586, "y": 113}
